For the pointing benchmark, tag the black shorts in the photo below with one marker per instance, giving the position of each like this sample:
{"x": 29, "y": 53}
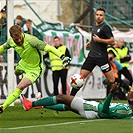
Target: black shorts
{"x": 91, "y": 62}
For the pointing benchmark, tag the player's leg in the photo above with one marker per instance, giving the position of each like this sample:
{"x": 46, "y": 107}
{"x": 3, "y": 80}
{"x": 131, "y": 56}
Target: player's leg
{"x": 59, "y": 107}
{"x": 110, "y": 76}
{"x": 55, "y": 76}
{"x": 48, "y": 101}
{"x": 15, "y": 94}
{"x": 86, "y": 69}
{"x": 127, "y": 74}
{"x": 28, "y": 79}
{"x": 63, "y": 75}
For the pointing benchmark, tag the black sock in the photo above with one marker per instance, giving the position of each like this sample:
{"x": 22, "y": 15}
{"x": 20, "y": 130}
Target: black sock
{"x": 122, "y": 84}
{"x": 74, "y": 91}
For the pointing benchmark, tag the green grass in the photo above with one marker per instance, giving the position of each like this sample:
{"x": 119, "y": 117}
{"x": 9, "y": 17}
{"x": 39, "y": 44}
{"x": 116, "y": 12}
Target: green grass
{"x": 16, "y": 120}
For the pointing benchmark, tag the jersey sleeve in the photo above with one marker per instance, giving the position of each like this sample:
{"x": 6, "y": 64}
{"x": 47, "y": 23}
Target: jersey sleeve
{"x": 53, "y": 50}
{"x": 5, "y": 46}
{"x": 36, "y": 43}
{"x": 107, "y": 31}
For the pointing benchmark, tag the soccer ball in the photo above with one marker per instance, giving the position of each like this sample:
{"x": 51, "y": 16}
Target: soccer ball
{"x": 76, "y": 81}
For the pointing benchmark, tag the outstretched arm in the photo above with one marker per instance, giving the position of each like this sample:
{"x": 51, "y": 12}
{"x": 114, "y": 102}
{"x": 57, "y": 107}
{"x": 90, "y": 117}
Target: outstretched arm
{"x": 108, "y": 99}
{"x": 36, "y": 43}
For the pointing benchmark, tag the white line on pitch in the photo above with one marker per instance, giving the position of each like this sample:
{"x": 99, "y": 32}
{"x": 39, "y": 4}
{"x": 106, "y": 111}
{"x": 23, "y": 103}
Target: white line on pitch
{"x": 48, "y": 125}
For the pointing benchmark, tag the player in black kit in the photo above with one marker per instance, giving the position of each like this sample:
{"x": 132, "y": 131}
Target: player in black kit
{"x": 101, "y": 37}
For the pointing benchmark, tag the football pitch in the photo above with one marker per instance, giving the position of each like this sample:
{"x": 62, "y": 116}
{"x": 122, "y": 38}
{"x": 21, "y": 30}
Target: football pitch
{"x": 16, "y": 120}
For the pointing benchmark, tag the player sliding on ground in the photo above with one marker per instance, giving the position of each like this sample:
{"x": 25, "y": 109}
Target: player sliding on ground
{"x": 30, "y": 51}
{"x": 87, "y": 109}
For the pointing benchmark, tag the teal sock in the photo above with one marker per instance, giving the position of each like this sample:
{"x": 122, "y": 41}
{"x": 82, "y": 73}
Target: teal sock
{"x": 58, "y": 107}
{"x": 45, "y": 101}
{"x": 107, "y": 104}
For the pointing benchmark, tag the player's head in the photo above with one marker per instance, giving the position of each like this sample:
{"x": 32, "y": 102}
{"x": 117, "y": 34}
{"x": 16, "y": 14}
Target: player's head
{"x": 100, "y": 15}
{"x": 111, "y": 55}
{"x": 4, "y": 12}
{"x": 56, "y": 40}
{"x": 16, "y": 34}
{"x": 120, "y": 42}
{"x": 116, "y": 44}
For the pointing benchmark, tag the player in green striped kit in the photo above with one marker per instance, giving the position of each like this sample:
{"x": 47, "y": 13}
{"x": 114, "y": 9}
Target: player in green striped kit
{"x": 30, "y": 51}
{"x": 87, "y": 109}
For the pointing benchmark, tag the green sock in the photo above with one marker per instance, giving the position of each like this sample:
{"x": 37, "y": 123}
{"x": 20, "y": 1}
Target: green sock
{"x": 45, "y": 101}
{"x": 12, "y": 97}
{"x": 58, "y": 107}
{"x": 107, "y": 104}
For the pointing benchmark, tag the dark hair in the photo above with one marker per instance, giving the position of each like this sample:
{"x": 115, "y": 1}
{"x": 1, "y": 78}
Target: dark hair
{"x": 4, "y": 9}
{"x": 19, "y": 17}
{"x": 28, "y": 20}
{"x": 101, "y": 9}
{"x": 111, "y": 52}
{"x": 15, "y": 30}
{"x": 56, "y": 37}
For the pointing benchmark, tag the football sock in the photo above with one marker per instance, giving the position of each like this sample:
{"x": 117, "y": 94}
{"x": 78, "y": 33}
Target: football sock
{"x": 107, "y": 104}
{"x": 58, "y": 107}
{"x": 122, "y": 84}
{"x": 45, "y": 101}
{"x": 74, "y": 91}
{"x": 12, "y": 97}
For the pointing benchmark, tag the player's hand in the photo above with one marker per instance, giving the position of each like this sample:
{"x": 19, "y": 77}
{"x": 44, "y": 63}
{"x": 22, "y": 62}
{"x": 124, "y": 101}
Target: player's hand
{"x": 96, "y": 38}
{"x": 66, "y": 60}
{"x": 88, "y": 44}
{"x": 114, "y": 88}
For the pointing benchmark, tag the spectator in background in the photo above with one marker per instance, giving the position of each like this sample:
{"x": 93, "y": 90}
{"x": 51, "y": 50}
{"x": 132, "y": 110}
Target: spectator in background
{"x": 3, "y": 29}
{"x": 116, "y": 67}
{"x": 124, "y": 71}
{"x": 20, "y": 21}
{"x": 57, "y": 66}
{"x": 3, "y": 18}
{"x": 125, "y": 57}
{"x": 27, "y": 28}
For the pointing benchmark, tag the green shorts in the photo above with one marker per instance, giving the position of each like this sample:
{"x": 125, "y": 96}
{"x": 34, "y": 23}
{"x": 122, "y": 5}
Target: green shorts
{"x": 31, "y": 73}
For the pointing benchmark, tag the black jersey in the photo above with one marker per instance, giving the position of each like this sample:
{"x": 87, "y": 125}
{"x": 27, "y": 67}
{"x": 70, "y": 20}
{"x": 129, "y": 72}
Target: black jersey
{"x": 99, "y": 49}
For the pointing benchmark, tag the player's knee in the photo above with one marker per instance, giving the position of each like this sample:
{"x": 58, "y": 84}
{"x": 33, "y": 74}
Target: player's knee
{"x": 60, "y": 98}
{"x": 111, "y": 80}
{"x": 84, "y": 73}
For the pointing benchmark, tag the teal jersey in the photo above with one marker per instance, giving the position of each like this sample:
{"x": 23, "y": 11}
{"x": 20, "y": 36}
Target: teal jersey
{"x": 116, "y": 110}
{"x": 30, "y": 52}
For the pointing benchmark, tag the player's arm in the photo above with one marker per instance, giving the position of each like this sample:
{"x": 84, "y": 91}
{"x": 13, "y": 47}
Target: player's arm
{"x": 109, "y": 97}
{"x": 108, "y": 35}
{"x": 5, "y": 46}
{"x": 36, "y": 43}
{"x": 105, "y": 41}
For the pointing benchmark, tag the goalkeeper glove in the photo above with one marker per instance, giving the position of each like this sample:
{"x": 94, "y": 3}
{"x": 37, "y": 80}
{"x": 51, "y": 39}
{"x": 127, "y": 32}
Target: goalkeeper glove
{"x": 66, "y": 60}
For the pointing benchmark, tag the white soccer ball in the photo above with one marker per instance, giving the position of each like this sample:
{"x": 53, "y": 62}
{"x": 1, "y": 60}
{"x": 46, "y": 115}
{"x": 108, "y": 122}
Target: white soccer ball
{"x": 76, "y": 81}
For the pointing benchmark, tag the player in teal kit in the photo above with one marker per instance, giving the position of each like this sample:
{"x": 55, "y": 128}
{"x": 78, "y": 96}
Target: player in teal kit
{"x": 30, "y": 50}
{"x": 87, "y": 109}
